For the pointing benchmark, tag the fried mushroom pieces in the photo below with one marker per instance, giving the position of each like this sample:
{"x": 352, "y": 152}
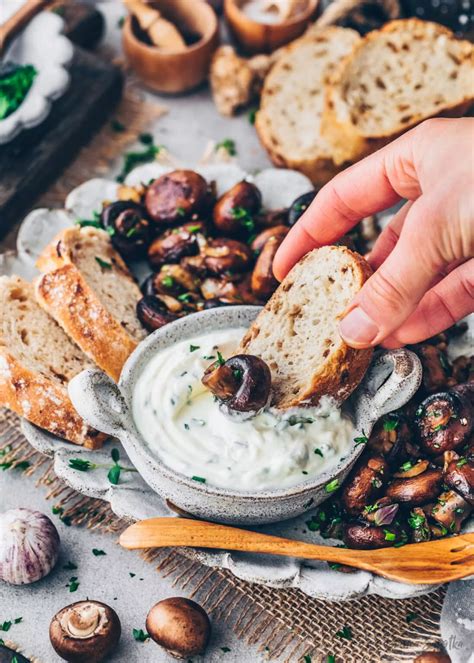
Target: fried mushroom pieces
{"x": 242, "y": 384}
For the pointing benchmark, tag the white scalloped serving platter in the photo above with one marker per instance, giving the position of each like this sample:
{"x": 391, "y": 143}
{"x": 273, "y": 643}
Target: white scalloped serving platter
{"x": 132, "y": 498}
{"x": 50, "y": 62}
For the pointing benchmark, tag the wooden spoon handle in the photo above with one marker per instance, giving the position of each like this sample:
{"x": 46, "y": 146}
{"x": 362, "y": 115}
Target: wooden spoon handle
{"x": 19, "y": 20}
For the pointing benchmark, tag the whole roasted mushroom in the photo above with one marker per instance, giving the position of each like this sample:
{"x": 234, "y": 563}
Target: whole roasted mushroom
{"x": 180, "y": 626}
{"x": 392, "y": 437}
{"x": 153, "y": 314}
{"x": 242, "y": 384}
{"x": 436, "y": 369}
{"x": 175, "y": 244}
{"x": 444, "y": 421}
{"x": 234, "y": 213}
{"x": 262, "y": 238}
{"x": 263, "y": 281}
{"x": 364, "y": 483}
{"x": 366, "y": 537}
{"x": 85, "y": 632}
{"x": 459, "y": 475}
{"x": 175, "y": 280}
{"x": 128, "y": 227}
{"x": 416, "y": 490}
{"x": 223, "y": 256}
{"x": 299, "y": 206}
{"x": 175, "y": 197}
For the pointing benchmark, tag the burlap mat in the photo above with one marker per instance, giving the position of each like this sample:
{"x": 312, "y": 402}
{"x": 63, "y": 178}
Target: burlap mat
{"x": 284, "y": 622}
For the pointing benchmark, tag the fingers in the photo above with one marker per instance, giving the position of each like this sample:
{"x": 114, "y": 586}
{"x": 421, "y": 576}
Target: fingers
{"x": 449, "y": 301}
{"x": 373, "y": 184}
{"x": 393, "y": 292}
{"x": 388, "y": 238}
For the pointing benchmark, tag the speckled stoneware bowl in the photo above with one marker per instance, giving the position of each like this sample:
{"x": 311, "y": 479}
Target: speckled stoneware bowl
{"x": 390, "y": 382}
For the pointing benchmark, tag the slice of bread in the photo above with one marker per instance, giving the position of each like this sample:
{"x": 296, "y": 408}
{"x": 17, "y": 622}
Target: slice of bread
{"x": 87, "y": 288}
{"x": 288, "y": 122}
{"x": 393, "y": 79}
{"x": 37, "y": 360}
{"x": 297, "y": 335}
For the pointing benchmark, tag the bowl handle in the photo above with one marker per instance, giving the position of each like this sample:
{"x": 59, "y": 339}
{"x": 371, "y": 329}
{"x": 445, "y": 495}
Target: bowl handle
{"x": 392, "y": 379}
{"x": 99, "y": 401}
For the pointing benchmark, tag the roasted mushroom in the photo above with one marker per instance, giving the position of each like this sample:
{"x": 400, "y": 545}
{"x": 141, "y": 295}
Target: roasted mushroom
{"x": 364, "y": 484}
{"x": 263, "y": 281}
{"x": 445, "y": 421}
{"x": 416, "y": 490}
{"x": 392, "y": 437}
{"x": 432, "y": 657}
{"x": 180, "y": 626}
{"x": 128, "y": 227}
{"x": 299, "y": 206}
{"x": 175, "y": 244}
{"x": 176, "y": 197}
{"x": 459, "y": 475}
{"x": 223, "y": 256}
{"x": 418, "y": 523}
{"x": 153, "y": 314}
{"x": 175, "y": 280}
{"x": 450, "y": 510}
{"x": 242, "y": 383}
{"x": 436, "y": 369}
{"x": 271, "y": 218}
{"x": 262, "y": 238}
{"x": 366, "y": 537}
{"x": 85, "y": 632}
{"x": 234, "y": 212}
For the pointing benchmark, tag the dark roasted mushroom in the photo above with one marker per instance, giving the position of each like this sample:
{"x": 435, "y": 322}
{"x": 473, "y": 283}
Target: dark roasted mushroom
{"x": 271, "y": 218}
{"x": 85, "y": 632}
{"x": 391, "y": 437}
{"x": 242, "y": 383}
{"x": 176, "y": 197}
{"x": 450, "y": 510}
{"x": 436, "y": 369}
{"x": 364, "y": 484}
{"x": 153, "y": 314}
{"x": 366, "y": 537}
{"x": 128, "y": 227}
{"x": 234, "y": 212}
{"x": 262, "y": 238}
{"x": 432, "y": 657}
{"x": 223, "y": 256}
{"x": 175, "y": 244}
{"x": 299, "y": 206}
{"x": 180, "y": 626}
{"x": 445, "y": 421}
{"x": 416, "y": 491}
{"x": 175, "y": 280}
{"x": 459, "y": 475}
{"x": 263, "y": 281}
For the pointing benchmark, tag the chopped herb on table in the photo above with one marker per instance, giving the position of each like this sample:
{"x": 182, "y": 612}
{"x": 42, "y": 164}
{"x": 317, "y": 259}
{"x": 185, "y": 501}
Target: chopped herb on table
{"x": 227, "y": 144}
{"x": 345, "y": 633}
{"x": 98, "y": 553}
{"x": 114, "y": 471}
{"x": 332, "y": 486}
{"x": 319, "y": 452}
{"x": 411, "y": 616}
{"x": 199, "y": 479}
{"x": 6, "y": 626}
{"x": 225, "y": 649}
{"x": 363, "y": 439}
{"x": 73, "y": 584}
{"x": 103, "y": 263}
{"x": 193, "y": 348}
{"x": 331, "y": 658}
{"x": 220, "y": 359}
{"x": 251, "y": 115}
{"x": 146, "y": 139}
{"x": 134, "y": 159}
{"x": 14, "y": 86}
{"x": 140, "y": 635}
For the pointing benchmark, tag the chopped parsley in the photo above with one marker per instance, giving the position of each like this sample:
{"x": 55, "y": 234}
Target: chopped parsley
{"x": 295, "y": 421}
{"x": 167, "y": 281}
{"x": 225, "y": 649}
{"x": 198, "y": 479}
{"x": 134, "y": 159}
{"x": 345, "y": 633}
{"x": 140, "y": 635}
{"x": 227, "y": 144}
{"x": 406, "y": 466}
{"x": 390, "y": 424}
{"x": 244, "y": 217}
{"x": 251, "y": 115}
{"x": 95, "y": 222}
{"x": 180, "y": 211}
{"x": 363, "y": 439}
{"x": 193, "y": 348}
{"x": 416, "y": 521}
{"x": 319, "y": 452}
{"x": 411, "y": 616}
{"x": 220, "y": 359}
{"x": 209, "y": 357}
{"x": 97, "y": 552}
{"x": 146, "y": 139}
{"x": 14, "y": 86}
{"x": 114, "y": 472}
{"x": 117, "y": 126}
{"x": 389, "y": 536}
{"x": 185, "y": 297}
{"x": 73, "y": 584}
{"x": 332, "y": 486}
{"x": 461, "y": 462}
{"x": 103, "y": 263}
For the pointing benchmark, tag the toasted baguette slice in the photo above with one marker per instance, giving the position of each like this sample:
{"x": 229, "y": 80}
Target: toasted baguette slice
{"x": 297, "y": 335}
{"x": 37, "y": 360}
{"x": 89, "y": 291}
{"x": 288, "y": 122}
{"x": 393, "y": 79}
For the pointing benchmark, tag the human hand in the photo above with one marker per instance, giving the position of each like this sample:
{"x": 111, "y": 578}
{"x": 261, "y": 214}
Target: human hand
{"x": 423, "y": 260}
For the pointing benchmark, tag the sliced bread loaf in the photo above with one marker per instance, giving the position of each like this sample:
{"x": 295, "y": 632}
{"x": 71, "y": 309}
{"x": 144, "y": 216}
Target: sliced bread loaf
{"x": 393, "y": 79}
{"x": 87, "y": 288}
{"x": 37, "y": 360}
{"x": 288, "y": 122}
{"x": 297, "y": 335}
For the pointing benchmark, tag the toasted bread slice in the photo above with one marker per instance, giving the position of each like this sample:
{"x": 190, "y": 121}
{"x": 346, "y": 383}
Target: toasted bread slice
{"x": 393, "y": 79}
{"x": 297, "y": 335}
{"x": 89, "y": 291}
{"x": 37, "y": 360}
{"x": 288, "y": 122}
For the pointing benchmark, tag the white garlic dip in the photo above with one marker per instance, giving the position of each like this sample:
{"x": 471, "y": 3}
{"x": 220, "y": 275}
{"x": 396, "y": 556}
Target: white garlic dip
{"x": 181, "y": 422}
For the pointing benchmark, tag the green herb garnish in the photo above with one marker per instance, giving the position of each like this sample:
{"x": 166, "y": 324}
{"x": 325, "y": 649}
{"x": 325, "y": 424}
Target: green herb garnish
{"x": 243, "y": 215}
{"x": 103, "y": 263}
{"x": 133, "y": 159}
{"x": 307, "y": 658}
{"x": 193, "y": 348}
{"x": 97, "y": 552}
{"x": 390, "y": 424}
{"x": 168, "y": 281}
{"x": 319, "y": 452}
{"x": 180, "y": 211}
{"x": 146, "y": 139}
{"x": 345, "y": 633}
{"x": 220, "y": 359}
{"x": 120, "y": 22}
{"x": 225, "y": 649}
{"x": 114, "y": 472}
{"x": 185, "y": 297}
{"x": 117, "y": 126}
{"x": 411, "y": 616}
{"x": 461, "y": 462}
{"x": 14, "y": 87}
{"x": 363, "y": 439}
{"x": 330, "y": 658}
{"x": 229, "y": 145}
{"x": 251, "y": 115}
{"x": 389, "y": 536}
{"x": 199, "y": 479}
{"x": 140, "y": 635}
{"x": 332, "y": 486}
{"x": 406, "y": 466}
{"x": 73, "y": 584}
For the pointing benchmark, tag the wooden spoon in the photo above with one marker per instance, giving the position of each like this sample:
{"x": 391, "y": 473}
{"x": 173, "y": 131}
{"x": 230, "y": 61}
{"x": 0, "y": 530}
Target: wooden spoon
{"x": 19, "y": 20}
{"x": 419, "y": 563}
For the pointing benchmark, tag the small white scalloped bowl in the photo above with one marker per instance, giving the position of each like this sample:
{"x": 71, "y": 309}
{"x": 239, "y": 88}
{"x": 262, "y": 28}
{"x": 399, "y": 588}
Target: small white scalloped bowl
{"x": 42, "y": 45}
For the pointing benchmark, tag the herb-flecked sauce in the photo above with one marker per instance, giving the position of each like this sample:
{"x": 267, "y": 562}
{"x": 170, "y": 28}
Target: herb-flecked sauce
{"x": 181, "y": 422}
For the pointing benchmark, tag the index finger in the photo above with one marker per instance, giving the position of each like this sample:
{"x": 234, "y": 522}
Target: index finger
{"x": 373, "y": 184}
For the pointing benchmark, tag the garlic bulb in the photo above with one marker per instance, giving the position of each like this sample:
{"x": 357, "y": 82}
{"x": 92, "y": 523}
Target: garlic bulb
{"x": 29, "y": 546}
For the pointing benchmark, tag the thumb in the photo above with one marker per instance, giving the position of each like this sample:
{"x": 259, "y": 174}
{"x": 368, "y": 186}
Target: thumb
{"x": 393, "y": 292}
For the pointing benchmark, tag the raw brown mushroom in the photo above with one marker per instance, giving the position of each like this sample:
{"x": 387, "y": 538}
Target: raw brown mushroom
{"x": 85, "y": 632}
{"x": 180, "y": 626}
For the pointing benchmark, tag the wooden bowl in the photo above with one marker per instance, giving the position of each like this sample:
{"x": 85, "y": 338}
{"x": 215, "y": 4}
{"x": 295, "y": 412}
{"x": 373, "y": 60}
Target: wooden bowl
{"x": 168, "y": 71}
{"x": 256, "y": 37}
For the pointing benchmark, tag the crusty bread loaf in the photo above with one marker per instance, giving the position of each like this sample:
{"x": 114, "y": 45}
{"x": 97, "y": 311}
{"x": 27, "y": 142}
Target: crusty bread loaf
{"x": 37, "y": 360}
{"x": 288, "y": 122}
{"x": 87, "y": 288}
{"x": 297, "y": 335}
{"x": 393, "y": 79}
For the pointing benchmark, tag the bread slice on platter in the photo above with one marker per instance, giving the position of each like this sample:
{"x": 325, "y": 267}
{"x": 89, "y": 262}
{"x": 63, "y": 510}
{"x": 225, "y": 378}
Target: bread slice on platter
{"x": 297, "y": 335}
{"x": 288, "y": 122}
{"x": 37, "y": 360}
{"x": 87, "y": 288}
{"x": 393, "y": 79}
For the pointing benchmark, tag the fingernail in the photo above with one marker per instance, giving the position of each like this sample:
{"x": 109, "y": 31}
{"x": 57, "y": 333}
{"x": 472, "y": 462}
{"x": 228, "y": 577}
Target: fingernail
{"x": 357, "y": 328}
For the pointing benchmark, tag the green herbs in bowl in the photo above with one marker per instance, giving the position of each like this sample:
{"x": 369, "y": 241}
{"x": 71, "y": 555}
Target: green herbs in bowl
{"x": 15, "y": 83}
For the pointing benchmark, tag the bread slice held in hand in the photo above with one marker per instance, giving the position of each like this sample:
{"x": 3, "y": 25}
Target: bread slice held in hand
{"x": 37, "y": 360}
{"x": 297, "y": 334}
{"x": 393, "y": 79}
{"x": 87, "y": 288}
{"x": 289, "y": 119}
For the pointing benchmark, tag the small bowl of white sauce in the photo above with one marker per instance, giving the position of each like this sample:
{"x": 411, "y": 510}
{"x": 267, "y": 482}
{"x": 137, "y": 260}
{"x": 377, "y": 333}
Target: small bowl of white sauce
{"x": 264, "y": 469}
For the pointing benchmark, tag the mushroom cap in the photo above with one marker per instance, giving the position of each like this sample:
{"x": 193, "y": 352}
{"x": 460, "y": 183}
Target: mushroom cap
{"x": 91, "y": 649}
{"x": 180, "y": 626}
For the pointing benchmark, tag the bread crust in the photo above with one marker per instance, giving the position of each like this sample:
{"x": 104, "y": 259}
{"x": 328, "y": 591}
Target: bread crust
{"x": 43, "y": 403}
{"x": 64, "y": 293}
{"x": 343, "y": 369}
